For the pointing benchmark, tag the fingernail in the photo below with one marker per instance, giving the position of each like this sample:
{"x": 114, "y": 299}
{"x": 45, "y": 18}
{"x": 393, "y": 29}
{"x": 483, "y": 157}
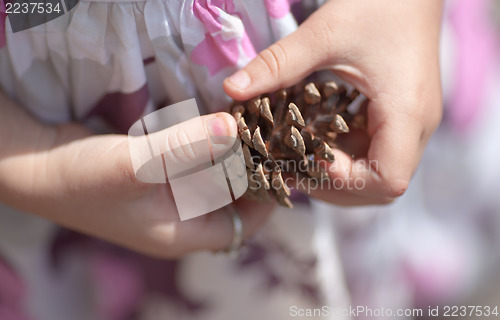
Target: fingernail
{"x": 217, "y": 129}
{"x": 240, "y": 79}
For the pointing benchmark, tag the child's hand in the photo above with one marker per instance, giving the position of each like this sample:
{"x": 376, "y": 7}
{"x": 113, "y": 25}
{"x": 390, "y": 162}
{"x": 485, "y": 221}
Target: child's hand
{"x": 87, "y": 183}
{"x": 389, "y": 51}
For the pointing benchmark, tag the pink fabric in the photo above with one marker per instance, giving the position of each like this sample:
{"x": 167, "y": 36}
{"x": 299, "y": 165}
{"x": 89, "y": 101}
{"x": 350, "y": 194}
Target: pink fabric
{"x": 207, "y": 11}
{"x": 215, "y": 52}
{"x": 121, "y": 110}
{"x": 476, "y": 47}
{"x": 12, "y": 294}
{"x": 279, "y": 8}
{"x": 437, "y": 277}
{"x": 119, "y": 284}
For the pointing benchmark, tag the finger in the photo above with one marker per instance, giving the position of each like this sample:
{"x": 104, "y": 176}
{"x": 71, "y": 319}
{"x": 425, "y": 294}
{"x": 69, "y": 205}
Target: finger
{"x": 212, "y": 232}
{"x": 218, "y": 236}
{"x": 195, "y": 142}
{"x": 282, "y": 64}
{"x": 342, "y": 197}
{"x": 183, "y": 147}
{"x": 115, "y": 160}
{"x": 198, "y": 139}
{"x": 394, "y": 153}
{"x": 336, "y": 190}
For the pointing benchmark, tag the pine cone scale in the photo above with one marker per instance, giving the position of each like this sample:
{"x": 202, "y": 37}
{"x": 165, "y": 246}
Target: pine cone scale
{"x": 289, "y": 131}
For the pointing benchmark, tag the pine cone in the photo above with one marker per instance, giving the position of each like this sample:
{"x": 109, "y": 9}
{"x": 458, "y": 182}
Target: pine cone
{"x": 288, "y": 131}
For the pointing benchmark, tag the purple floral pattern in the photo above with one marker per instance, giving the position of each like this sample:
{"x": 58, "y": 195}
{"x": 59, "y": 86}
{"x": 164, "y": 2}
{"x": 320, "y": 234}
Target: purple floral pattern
{"x": 12, "y": 293}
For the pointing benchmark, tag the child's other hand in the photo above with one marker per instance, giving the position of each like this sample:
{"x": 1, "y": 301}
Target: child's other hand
{"x": 389, "y": 51}
{"x": 87, "y": 183}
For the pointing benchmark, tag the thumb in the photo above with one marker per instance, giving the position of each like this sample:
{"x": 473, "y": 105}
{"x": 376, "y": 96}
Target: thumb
{"x": 81, "y": 161}
{"x": 281, "y": 65}
{"x": 182, "y": 147}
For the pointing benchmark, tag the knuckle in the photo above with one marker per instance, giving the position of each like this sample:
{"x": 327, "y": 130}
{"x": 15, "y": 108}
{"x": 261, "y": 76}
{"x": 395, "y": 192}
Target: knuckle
{"x": 178, "y": 146}
{"x": 436, "y": 117}
{"x": 320, "y": 35}
{"x": 427, "y": 108}
{"x": 274, "y": 58}
{"x": 161, "y": 244}
{"x": 396, "y": 188}
{"x": 186, "y": 144}
{"x": 125, "y": 168}
{"x": 431, "y": 122}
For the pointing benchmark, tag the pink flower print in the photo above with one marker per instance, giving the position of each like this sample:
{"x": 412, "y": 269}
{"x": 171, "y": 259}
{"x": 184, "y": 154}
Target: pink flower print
{"x": 477, "y": 48}
{"x": 215, "y": 53}
{"x": 119, "y": 285}
{"x": 12, "y": 294}
{"x": 226, "y": 37}
{"x": 207, "y": 11}
{"x": 279, "y": 8}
